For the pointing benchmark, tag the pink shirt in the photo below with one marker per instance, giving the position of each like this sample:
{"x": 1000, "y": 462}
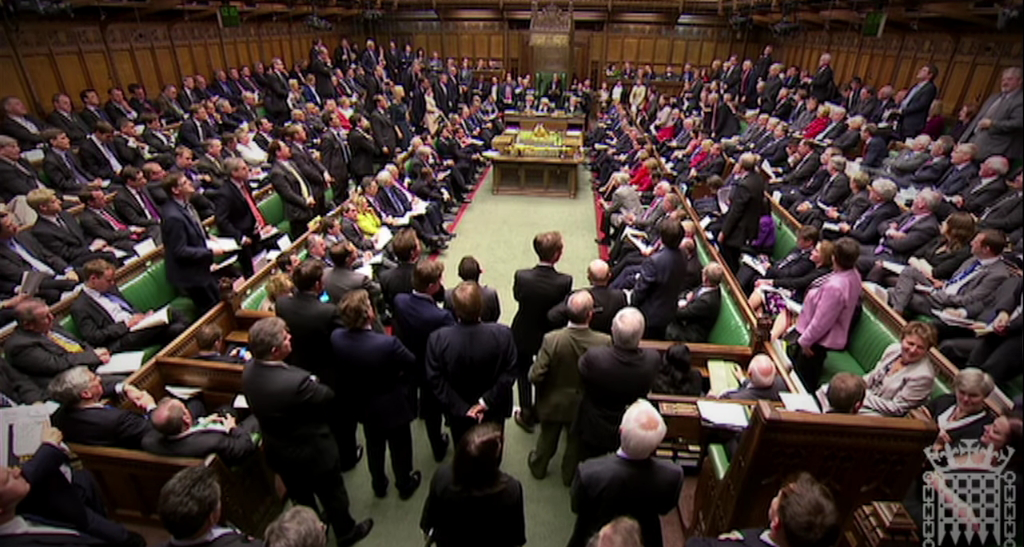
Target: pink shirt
{"x": 828, "y": 310}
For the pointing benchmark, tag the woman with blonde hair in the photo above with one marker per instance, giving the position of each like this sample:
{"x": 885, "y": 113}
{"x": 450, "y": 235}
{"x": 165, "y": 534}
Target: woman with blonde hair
{"x": 399, "y": 112}
{"x": 367, "y": 219}
{"x": 277, "y": 286}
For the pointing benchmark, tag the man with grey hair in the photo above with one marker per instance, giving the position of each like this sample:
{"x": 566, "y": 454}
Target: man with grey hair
{"x": 763, "y": 382}
{"x": 41, "y": 350}
{"x": 628, "y": 482}
{"x": 999, "y": 126}
{"x": 556, "y": 374}
{"x": 612, "y": 377}
{"x": 607, "y": 301}
{"x": 905, "y": 234}
{"x": 864, "y": 228}
{"x": 982, "y": 191}
{"x": 698, "y": 309}
{"x": 292, "y": 408}
{"x": 741, "y": 221}
{"x": 86, "y": 417}
{"x": 297, "y": 527}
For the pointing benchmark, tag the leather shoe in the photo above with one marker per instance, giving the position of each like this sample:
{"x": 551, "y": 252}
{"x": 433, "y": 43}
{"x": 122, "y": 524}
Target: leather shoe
{"x": 356, "y": 460}
{"x": 406, "y": 491}
{"x": 441, "y": 451}
{"x": 527, "y": 426}
{"x": 357, "y": 534}
{"x": 381, "y": 491}
{"x": 537, "y": 473}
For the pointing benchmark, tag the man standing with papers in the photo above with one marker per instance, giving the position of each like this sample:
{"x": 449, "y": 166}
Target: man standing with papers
{"x": 105, "y": 318}
{"x": 41, "y": 351}
{"x": 237, "y": 215}
{"x": 189, "y": 261}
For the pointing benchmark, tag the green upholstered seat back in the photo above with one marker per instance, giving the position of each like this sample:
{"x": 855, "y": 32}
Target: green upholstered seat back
{"x": 731, "y": 329}
{"x": 273, "y": 212}
{"x": 68, "y": 323}
{"x": 785, "y": 239}
{"x": 255, "y": 299}
{"x": 869, "y": 339}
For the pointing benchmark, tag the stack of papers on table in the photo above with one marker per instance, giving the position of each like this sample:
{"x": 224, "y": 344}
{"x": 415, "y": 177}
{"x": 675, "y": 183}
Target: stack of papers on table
{"x": 731, "y": 415}
{"x": 122, "y": 363}
{"x": 802, "y": 402}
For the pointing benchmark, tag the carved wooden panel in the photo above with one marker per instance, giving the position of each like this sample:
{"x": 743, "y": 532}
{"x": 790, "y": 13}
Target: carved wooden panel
{"x": 630, "y": 50}
{"x": 707, "y": 53}
{"x": 645, "y": 50}
{"x": 497, "y": 45}
{"x": 679, "y": 52}
{"x": 978, "y": 88}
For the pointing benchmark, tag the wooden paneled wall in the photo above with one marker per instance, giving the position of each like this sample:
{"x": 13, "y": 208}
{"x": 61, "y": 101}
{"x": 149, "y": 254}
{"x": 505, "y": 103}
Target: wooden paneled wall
{"x": 38, "y": 61}
{"x": 969, "y": 65}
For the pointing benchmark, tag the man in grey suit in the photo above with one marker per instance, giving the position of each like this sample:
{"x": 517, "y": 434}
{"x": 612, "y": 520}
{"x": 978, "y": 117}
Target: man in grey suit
{"x": 999, "y": 126}
{"x": 976, "y": 280}
{"x": 556, "y": 374}
{"x": 343, "y": 278}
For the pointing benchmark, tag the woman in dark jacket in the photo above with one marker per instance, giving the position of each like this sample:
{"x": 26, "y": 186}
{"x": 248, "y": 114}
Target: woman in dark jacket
{"x": 676, "y": 377}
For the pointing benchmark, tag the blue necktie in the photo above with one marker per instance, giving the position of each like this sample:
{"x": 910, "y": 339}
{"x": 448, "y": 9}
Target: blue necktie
{"x": 963, "y": 275}
{"x": 115, "y": 298}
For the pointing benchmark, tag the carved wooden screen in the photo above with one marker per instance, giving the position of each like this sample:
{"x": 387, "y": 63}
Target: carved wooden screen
{"x": 550, "y": 32}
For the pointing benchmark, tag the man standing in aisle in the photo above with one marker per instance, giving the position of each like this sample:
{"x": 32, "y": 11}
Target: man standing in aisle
{"x": 537, "y": 290}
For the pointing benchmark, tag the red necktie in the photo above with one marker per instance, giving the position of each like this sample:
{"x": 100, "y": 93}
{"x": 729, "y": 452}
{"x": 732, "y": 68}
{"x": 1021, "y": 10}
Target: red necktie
{"x": 260, "y": 222}
{"x": 110, "y": 219}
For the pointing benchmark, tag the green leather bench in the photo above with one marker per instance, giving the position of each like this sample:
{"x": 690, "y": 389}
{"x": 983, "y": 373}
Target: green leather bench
{"x": 785, "y": 239}
{"x": 868, "y": 340}
{"x": 731, "y": 329}
{"x": 272, "y": 209}
{"x": 149, "y": 290}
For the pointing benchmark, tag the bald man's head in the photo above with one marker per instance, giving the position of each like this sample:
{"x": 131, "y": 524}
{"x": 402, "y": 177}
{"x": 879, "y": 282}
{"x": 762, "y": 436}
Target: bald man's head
{"x": 598, "y": 273}
{"x": 761, "y": 371}
{"x": 581, "y": 307}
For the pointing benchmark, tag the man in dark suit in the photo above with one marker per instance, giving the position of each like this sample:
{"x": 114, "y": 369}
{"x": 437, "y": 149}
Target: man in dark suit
{"x": 695, "y": 319}
{"x": 292, "y": 408}
{"x": 985, "y": 190}
{"x": 41, "y": 351}
{"x": 343, "y": 278}
{"x": 932, "y": 170}
{"x": 745, "y": 210}
{"x": 61, "y": 233}
{"x": 98, "y": 221}
{"x": 313, "y": 321}
{"x": 92, "y": 113}
{"x": 384, "y": 133}
{"x": 17, "y": 176}
{"x": 833, "y": 190}
{"x": 556, "y": 374}
{"x": 961, "y": 170}
{"x": 85, "y": 417}
{"x": 154, "y": 136}
{"x": 470, "y": 270}
{"x": 915, "y": 106}
{"x": 139, "y": 102}
{"x": 97, "y": 152}
{"x": 350, "y": 228}
{"x": 135, "y": 204}
{"x": 20, "y": 125}
{"x": 296, "y": 192}
{"x": 106, "y": 319}
{"x": 18, "y": 388}
{"x": 416, "y": 318}
{"x": 67, "y": 120}
{"x": 865, "y": 228}
{"x": 21, "y": 253}
{"x": 406, "y": 247}
{"x": 537, "y": 290}
{"x": 762, "y": 383}
{"x": 612, "y": 377}
{"x": 1005, "y": 213}
{"x": 71, "y": 499}
{"x": 905, "y": 234}
{"x": 187, "y": 257}
{"x": 607, "y": 301}
{"x": 62, "y": 167}
{"x": 822, "y": 85}
{"x": 190, "y": 508}
{"x": 275, "y": 92}
{"x": 795, "y": 264}
{"x": 380, "y": 373}
{"x": 237, "y": 215}
{"x": 363, "y": 147}
{"x": 662, "y": 277}
{"x": 471, "y": 365}
{"x": 210, "y": 346}
{"x": 187, "y": 431}
{"x": 629, "y": 483}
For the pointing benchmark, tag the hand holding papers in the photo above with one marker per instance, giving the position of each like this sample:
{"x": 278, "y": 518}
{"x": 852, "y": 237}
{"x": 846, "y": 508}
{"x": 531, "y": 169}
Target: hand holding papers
{"x": 155, "y": 319}
{"x": 21, "y": 428}
{"x": 382, "y": 238}
{"x": 223, "y": 244}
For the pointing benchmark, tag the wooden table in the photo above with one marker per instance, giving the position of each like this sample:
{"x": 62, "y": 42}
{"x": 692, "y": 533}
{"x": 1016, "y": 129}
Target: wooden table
{"x": 535, "y": 176}
{"x": 526, "y": 122}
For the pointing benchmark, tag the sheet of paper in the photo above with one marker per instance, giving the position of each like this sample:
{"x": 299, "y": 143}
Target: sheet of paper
{"x": 723, "y": 414}
{"x": 224, "y": 263}
{"x": 159, "y": 317}
{"x": 722, "y": 375}
{"x": 800, "y": 402}
{"x": 893, "y": 267}
{"x": 119, "y": 253}
{"x": 382, "y": 238}
{"x": 754, "y": 263}
{"x": 125, "y": 362}
{"x": 705, "y": 222}
{"x": 640, "y": 244}
{"x": 30, "y": 282}
{"x": 958, "y": 321}
{"x": 225, "y": 244}
{"x": 145, "y": 247}
{"x": 183, "y": 392}
{"x": 240, "y": 401}
{"x": 831, "y": 226}
{"x": 776, "y": 196}
{"x": 366, "y": 270}
{"x": 269, "y": 231}
{"x": 21, "y": 430}
{"x": 284, "y": 242}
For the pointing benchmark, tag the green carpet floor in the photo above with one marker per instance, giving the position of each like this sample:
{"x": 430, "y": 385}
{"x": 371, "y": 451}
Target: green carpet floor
{"x": 498, "y": 231}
